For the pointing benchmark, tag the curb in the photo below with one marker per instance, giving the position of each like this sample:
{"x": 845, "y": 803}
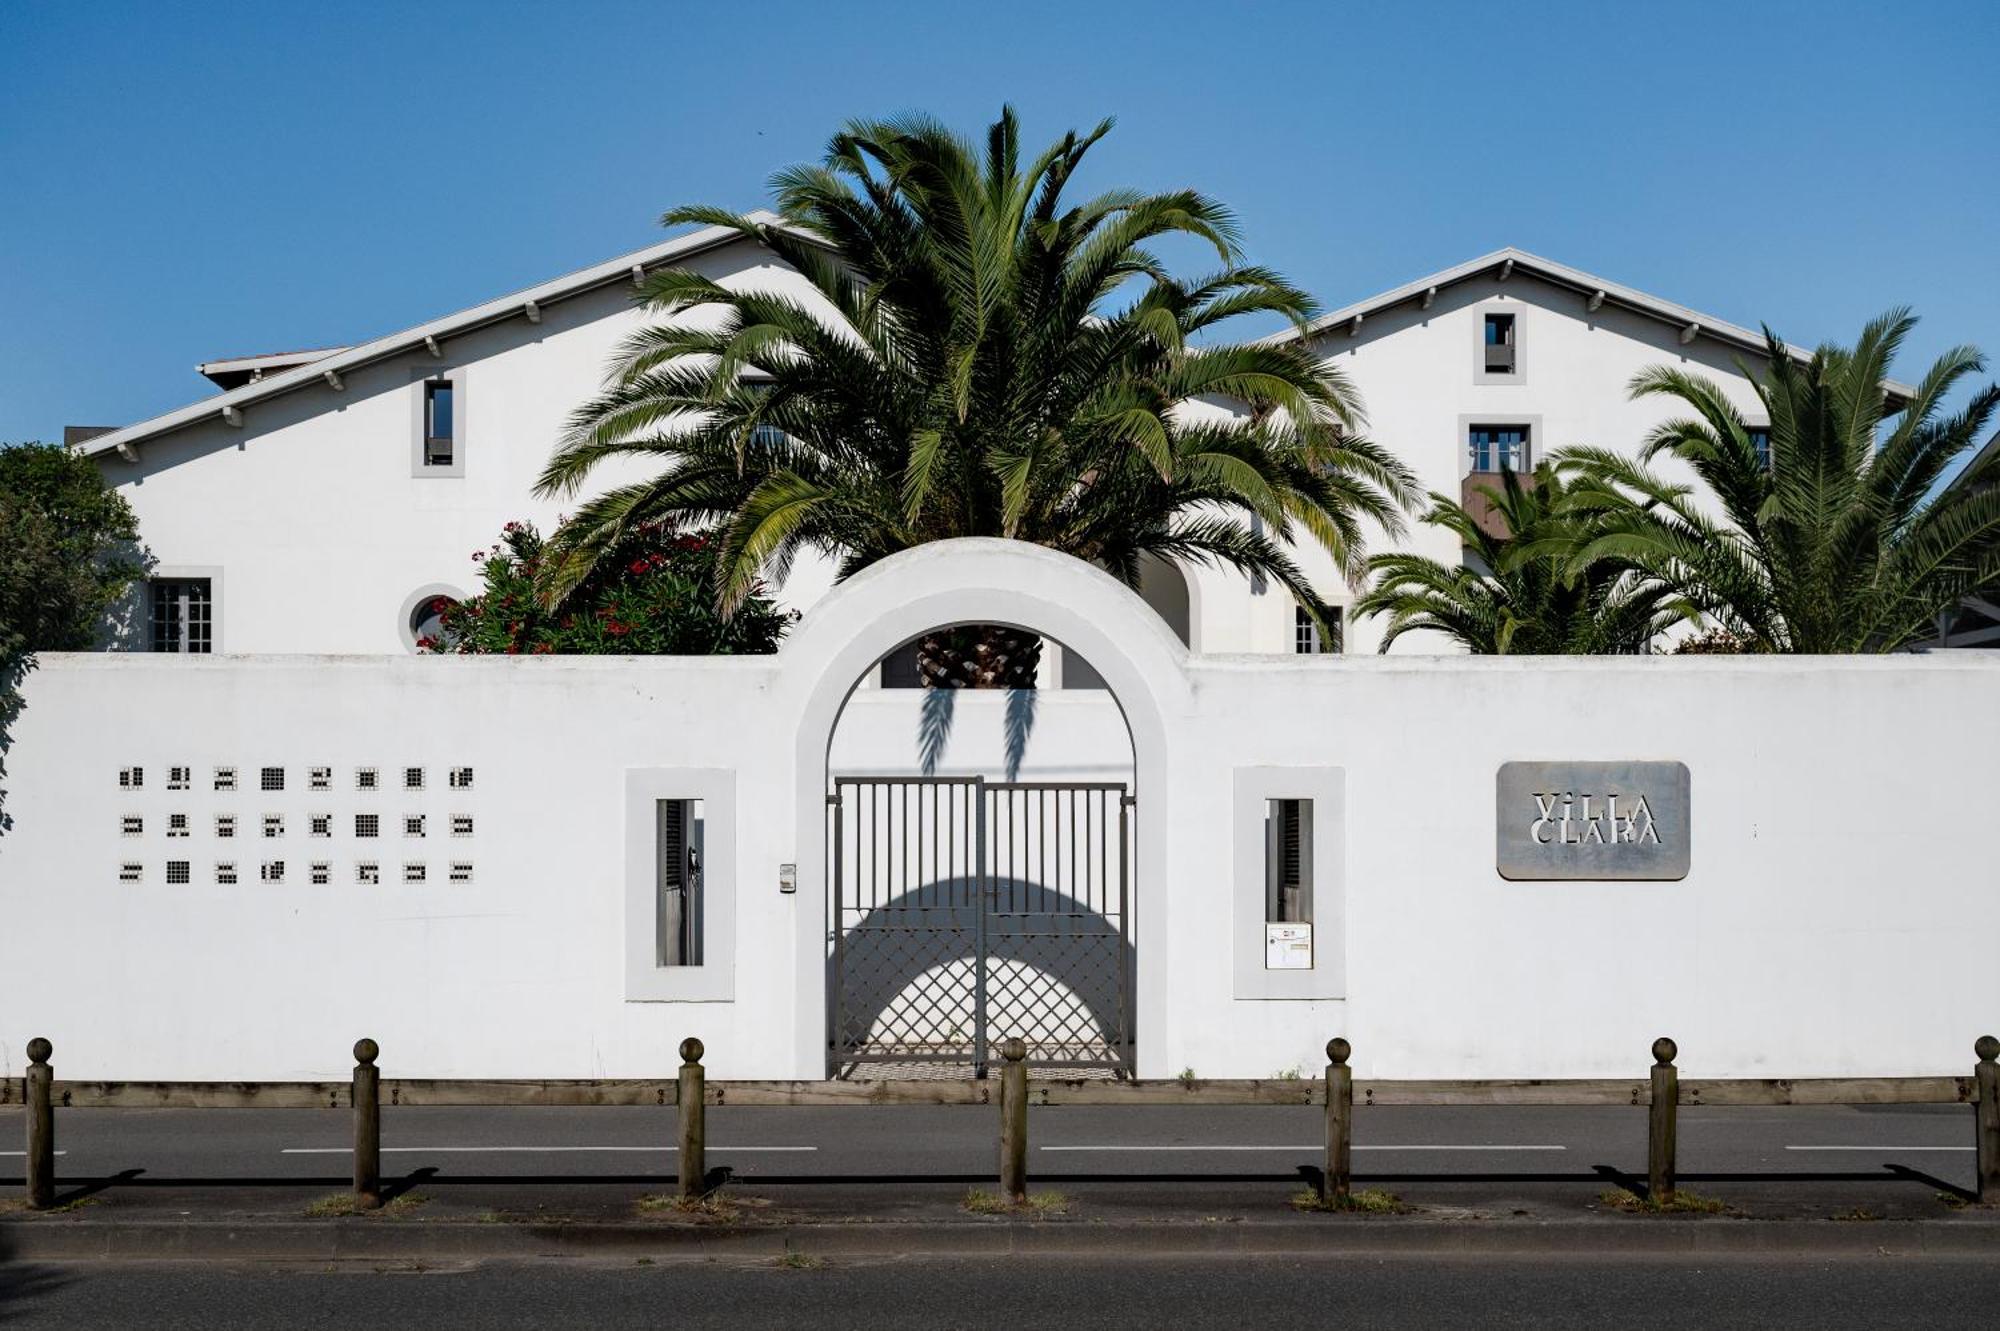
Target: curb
{"x": 365, "y": 1239}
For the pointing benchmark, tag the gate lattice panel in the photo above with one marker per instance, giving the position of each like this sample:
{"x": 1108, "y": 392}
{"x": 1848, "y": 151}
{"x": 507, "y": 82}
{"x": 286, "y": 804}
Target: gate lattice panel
{"x": 966, "y": 912}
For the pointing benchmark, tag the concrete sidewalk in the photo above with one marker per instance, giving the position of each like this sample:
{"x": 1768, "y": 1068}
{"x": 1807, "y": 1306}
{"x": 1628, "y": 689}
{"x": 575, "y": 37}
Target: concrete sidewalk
{"x": 434, "y": 1218}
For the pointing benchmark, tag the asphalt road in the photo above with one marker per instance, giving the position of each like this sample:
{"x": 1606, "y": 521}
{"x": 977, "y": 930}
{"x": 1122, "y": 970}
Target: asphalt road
{"x": 1822, "y": 1158}
{"x": 934, "y": 1293}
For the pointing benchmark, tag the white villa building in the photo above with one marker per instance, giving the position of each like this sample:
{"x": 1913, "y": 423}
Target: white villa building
{"x": 324, "y": 497}
{"x": 558, "y": 867}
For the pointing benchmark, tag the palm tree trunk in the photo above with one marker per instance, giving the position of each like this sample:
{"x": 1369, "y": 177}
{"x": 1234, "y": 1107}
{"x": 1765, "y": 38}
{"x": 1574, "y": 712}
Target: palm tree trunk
{"x": 979, "y": 656}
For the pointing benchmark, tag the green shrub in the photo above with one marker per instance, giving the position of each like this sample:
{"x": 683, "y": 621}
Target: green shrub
{"x": 656, "y": 598}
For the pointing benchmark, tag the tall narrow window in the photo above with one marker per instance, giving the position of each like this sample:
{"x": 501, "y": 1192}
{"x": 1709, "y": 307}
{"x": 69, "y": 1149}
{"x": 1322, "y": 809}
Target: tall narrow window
{"x": 183, "y": 615}
{"x": 1288, "y": 858}
{"x": 440, "y": 448}
{"x": 679, "y": 853}
{"x": 1499, "y": 344}
{"x": 1308, "y": 640}
{"x": 1760, "y": 440}
{"x": 1493, "y": 448}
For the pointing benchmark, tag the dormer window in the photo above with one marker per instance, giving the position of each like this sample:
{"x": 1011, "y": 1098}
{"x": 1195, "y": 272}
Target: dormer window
{"x": 440, "y": 438}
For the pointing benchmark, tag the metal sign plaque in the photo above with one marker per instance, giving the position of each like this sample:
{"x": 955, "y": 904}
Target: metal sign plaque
{"x": 1608, "y": 821}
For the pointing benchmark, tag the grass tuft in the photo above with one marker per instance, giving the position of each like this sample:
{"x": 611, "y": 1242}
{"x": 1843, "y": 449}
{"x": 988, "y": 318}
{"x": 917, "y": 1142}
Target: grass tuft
{"x": 1366, "y": 1201}
{"x": 1037, "y": 1204}
{"x": 794, "y": 1260}
{"x": 709, "y": 1209}
{"x": 346, "y": 1203}
{"x": 1858, "y": 1213}
{"x": 1679, "y": 1202}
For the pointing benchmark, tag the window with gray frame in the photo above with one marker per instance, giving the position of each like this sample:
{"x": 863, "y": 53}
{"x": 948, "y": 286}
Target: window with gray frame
{"x": 678, "y": 841}
{"x": 1498, "y": 339}
{"x": 1492, "y": 448}
{"x": 440, "y": 433}
{"x": 183, "y": 613}
{"x": 1308, "y": 640}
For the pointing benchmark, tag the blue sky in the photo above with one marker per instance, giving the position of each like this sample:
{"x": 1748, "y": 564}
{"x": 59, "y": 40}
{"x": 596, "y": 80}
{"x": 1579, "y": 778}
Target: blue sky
{"x": 185, "y": 181}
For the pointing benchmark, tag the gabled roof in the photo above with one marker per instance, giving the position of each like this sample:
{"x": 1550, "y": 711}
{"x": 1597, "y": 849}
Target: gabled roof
{"x": 1595, "y": 290}
{"x": 327, "y": 370}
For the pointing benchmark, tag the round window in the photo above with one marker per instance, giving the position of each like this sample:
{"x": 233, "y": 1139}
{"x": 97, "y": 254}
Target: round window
{"x": 427, "y": 626}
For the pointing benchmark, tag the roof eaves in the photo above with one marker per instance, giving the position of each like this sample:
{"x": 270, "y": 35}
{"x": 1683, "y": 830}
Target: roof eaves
{"x": 1549, "y": 270}
{"x": 229, "y": 403}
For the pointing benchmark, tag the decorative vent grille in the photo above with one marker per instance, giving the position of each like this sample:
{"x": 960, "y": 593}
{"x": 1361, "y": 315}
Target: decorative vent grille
{"x": 413, "y": 872}
{"x": 131, "y": 778}
{"x": 271, "y": 778}
{"x": 225, "y": 873}
{"x": 461, "y": 824}
{"x": 367, "y": 872}
{"x": 321, "y": 873}
{"x": 319, "y": 778}
{"x": 177, "y": 824}
{"x": 461, "y": 871}
{"x": 177, "y": 871}
{"x": 132, "y": 825}
{"x": 367, "y": 778}
{"x": 320, "y": 824}
{"x": 367, "y": 824}
{"x": 413, "y": 824}
{"x": 179, "y": 778}
{"x": 225, "y": 825}
{"x": 131, "y": 871}
{"x": 225, "y": 778}
{"x": 461, "y": 778}
{"x": 274, "y": 871}
{"x": 274, "y": 824}
{"x": 413, "y": 778}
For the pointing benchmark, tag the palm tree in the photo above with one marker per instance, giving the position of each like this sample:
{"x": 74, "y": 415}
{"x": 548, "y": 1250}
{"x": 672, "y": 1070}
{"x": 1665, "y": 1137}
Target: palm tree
{"x": 1835, "y": 545}
{"x": 981, "y": 359}
{"x": 1518, "y": 593}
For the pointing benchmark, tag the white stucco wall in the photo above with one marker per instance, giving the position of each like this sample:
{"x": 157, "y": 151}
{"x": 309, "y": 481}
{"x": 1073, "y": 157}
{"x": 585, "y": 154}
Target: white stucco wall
{"x": 1829, "y": 925}
{"x": 321, "y": 535}
{"x": 1418, "y": 373}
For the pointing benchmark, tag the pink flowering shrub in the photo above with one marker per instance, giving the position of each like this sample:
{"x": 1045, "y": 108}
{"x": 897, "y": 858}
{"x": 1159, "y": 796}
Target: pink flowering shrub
{"x": 654, "y": 597}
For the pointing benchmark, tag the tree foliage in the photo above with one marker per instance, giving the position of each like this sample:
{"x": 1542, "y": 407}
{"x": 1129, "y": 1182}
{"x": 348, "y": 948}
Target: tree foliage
{"x": 68, "y": 549}
{"x": 1518, "y": 592}
{"x": 977, "y": 356}
{"x": 1838, "y": 545}
{"x": 68, "y": 552}
{"x": 651, "y": 596}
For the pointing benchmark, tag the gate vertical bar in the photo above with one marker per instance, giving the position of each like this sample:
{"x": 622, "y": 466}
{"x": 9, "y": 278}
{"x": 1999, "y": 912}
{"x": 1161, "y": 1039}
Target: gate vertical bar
{"x": 1127, "y": 996}
{"x": 977, "y": 795}
{"x": 837, "y": 1036}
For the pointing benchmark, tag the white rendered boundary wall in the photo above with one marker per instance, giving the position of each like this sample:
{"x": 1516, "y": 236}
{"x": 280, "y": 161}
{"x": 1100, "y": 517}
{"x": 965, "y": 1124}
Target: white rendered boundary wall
{"x": 1836, "y": 919}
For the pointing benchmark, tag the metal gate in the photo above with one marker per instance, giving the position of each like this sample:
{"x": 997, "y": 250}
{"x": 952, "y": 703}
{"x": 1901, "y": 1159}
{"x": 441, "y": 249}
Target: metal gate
{"x": 966, "y": 912}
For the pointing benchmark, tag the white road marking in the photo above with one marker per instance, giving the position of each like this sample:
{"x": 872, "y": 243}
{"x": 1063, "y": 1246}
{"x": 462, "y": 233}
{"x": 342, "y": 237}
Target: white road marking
{"x": 1879, "y": 1149}
{"x": 12, "y": 1153}
{"x": 1316, "y": 1146}
{"x": 519, "y": 1150}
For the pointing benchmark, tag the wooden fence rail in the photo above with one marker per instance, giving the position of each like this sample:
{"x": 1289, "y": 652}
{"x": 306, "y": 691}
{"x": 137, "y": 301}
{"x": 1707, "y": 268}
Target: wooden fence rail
{"x": 366, "y": 1091}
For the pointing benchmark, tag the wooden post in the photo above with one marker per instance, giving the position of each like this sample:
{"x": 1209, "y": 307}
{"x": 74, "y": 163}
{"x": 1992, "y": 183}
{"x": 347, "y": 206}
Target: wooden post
{"x": 1336, "y": 1175}
{"x": 1660, "y": 1121}
{"x": 1987, "y": 1116}
{"x": 38, "y": 1086}
{"x": 693, "y": 1110}
{"x": 366, "y": 1097}
{"x": 1014, "y": 1120}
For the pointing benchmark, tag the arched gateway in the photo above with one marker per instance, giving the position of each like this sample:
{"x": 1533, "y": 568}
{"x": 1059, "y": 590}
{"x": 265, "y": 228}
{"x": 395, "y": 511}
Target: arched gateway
{"x": 959, "y": 912}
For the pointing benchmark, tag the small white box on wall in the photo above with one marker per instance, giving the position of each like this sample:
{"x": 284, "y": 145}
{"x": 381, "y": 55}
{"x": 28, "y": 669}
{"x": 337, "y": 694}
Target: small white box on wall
{"x": 1288, "y": 947}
